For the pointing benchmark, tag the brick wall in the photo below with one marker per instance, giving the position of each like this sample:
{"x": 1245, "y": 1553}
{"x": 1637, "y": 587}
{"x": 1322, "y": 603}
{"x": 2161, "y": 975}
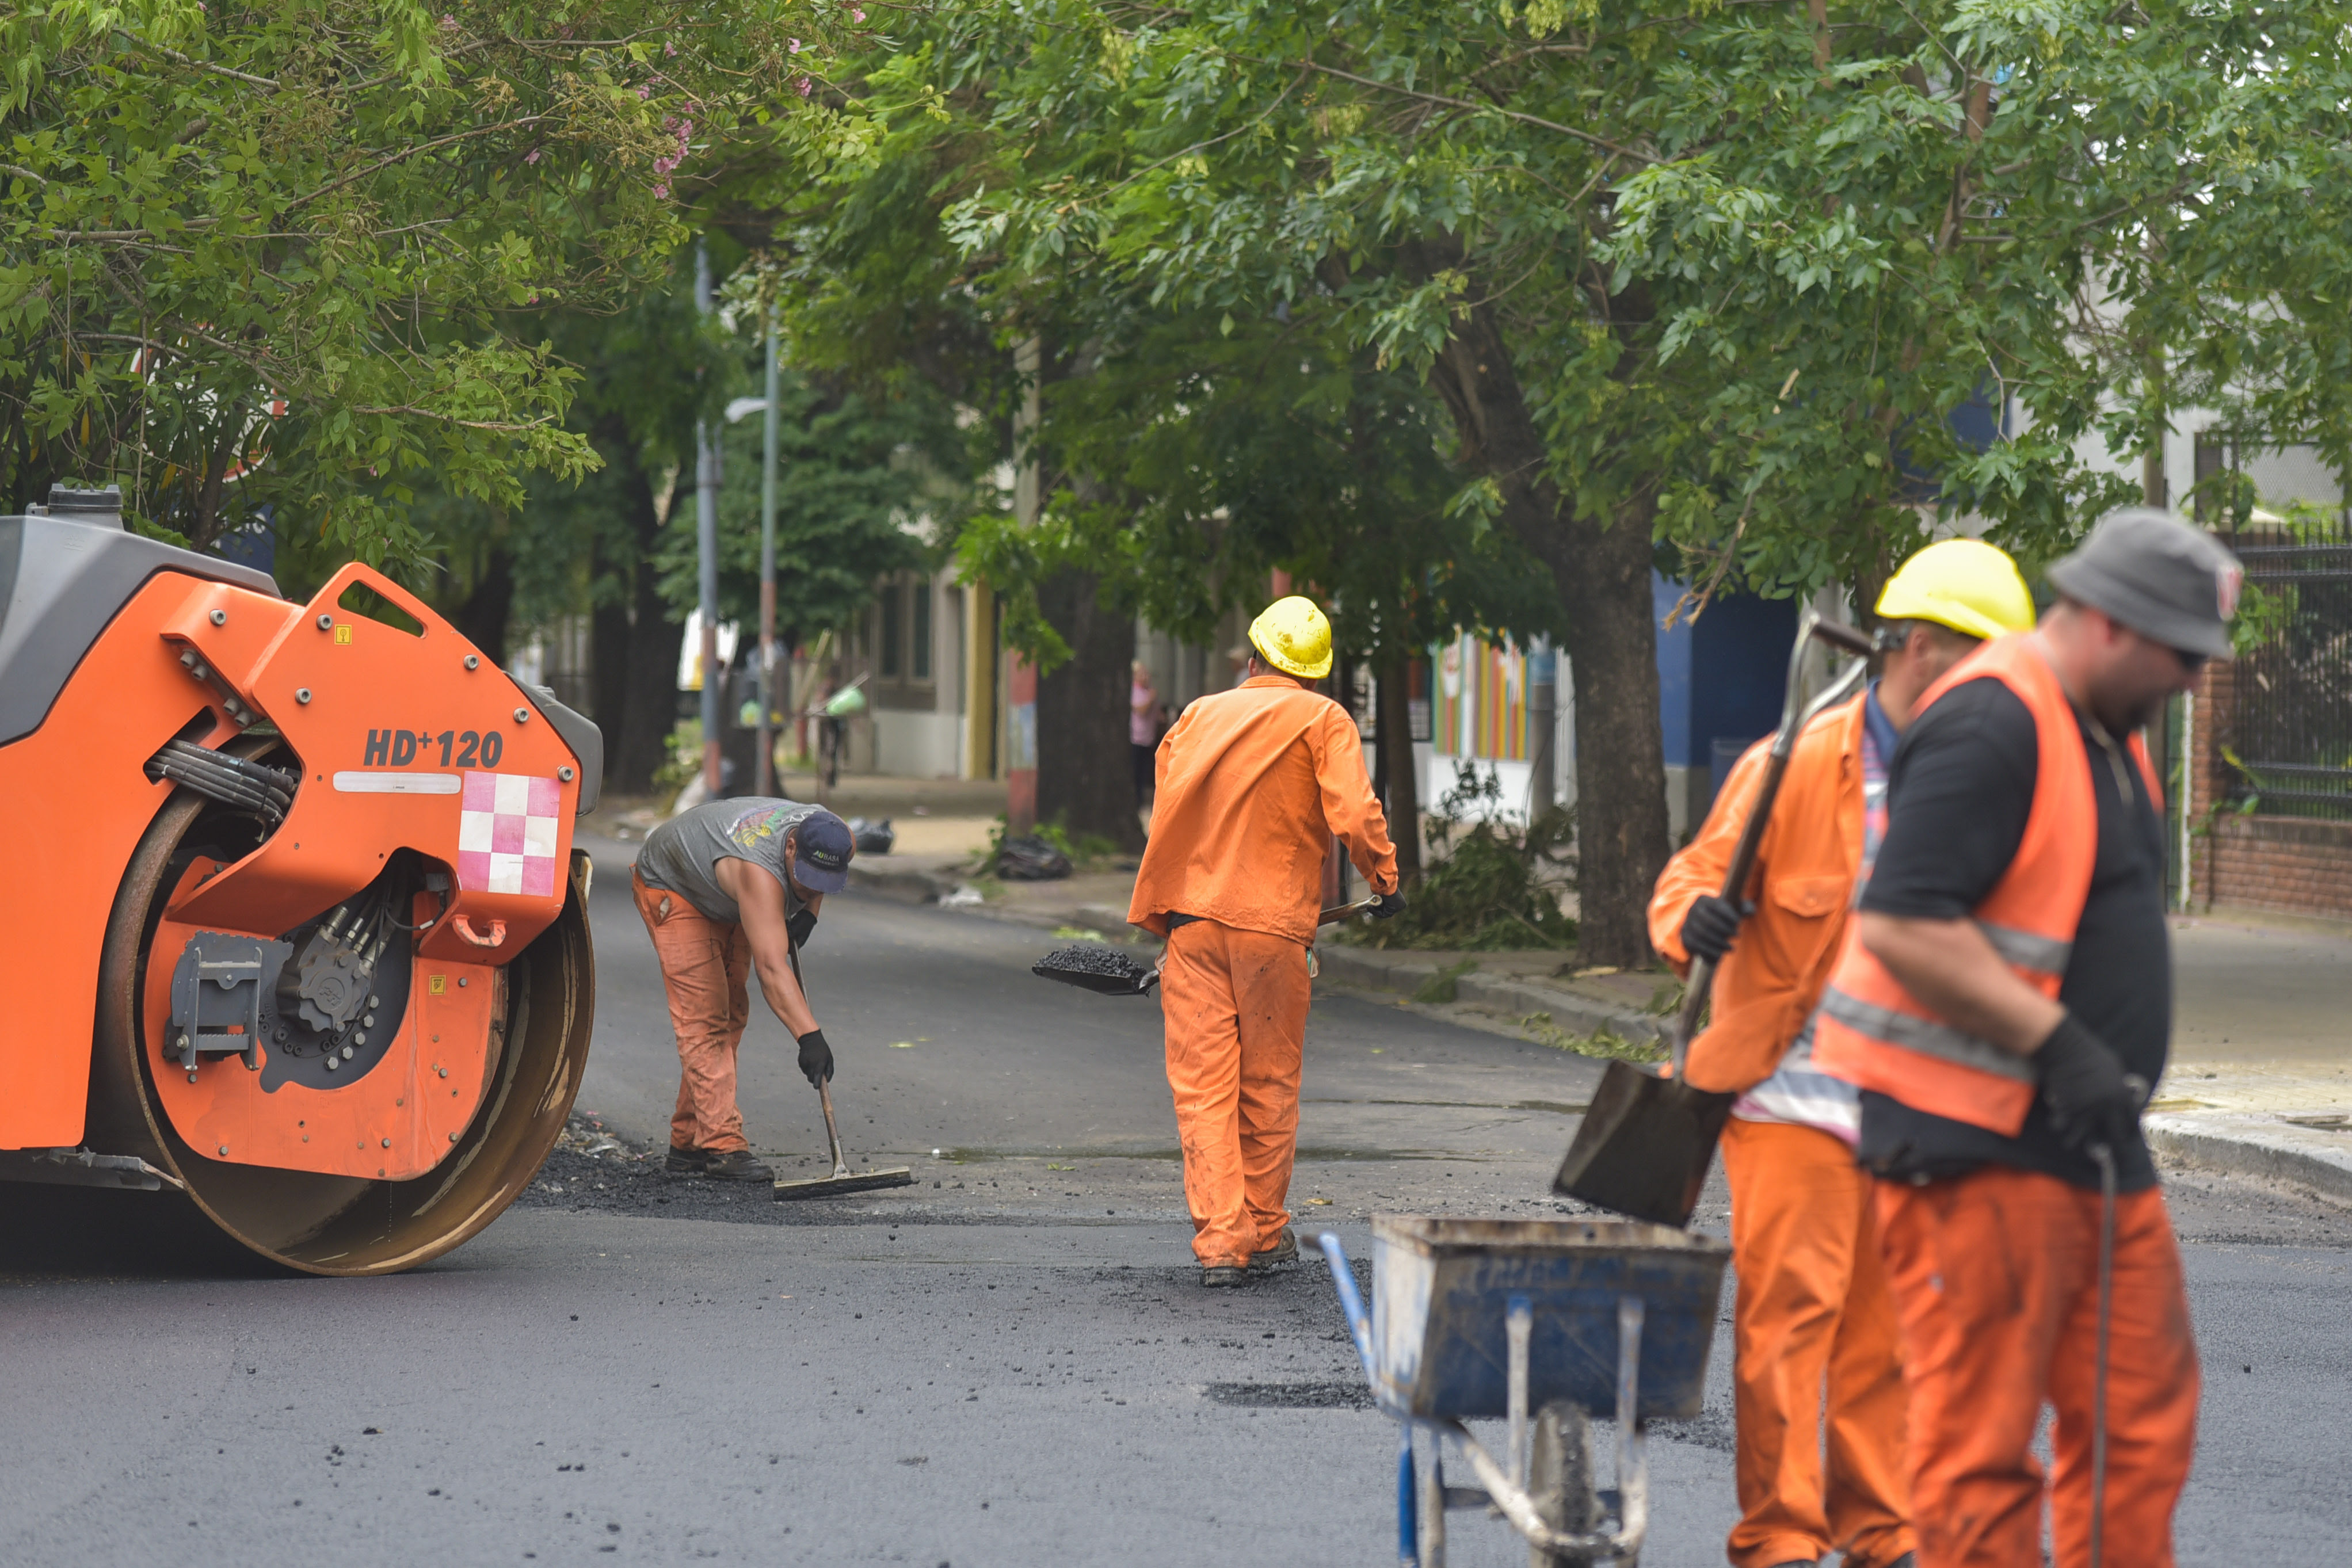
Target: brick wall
{"x": 2285, "y": 866}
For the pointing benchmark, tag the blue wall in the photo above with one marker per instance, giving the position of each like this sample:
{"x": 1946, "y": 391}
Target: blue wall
{"x": 1721, "y": 677}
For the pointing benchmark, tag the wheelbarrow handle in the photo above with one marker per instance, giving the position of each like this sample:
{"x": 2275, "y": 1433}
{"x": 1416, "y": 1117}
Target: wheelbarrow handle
{"x": 1351, "y": 1301}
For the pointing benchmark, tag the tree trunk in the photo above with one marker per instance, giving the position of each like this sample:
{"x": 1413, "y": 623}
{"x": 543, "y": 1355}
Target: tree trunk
{"x": 481, "y": 619}
{"x": 1082, "y": 713}
{"x": 1621, "y": 761}
{"x": 1394, "y": 727}
{"x": 1601, "y": 567}
{"x": 608, "y": 656}
{"x": 645, "y": 685}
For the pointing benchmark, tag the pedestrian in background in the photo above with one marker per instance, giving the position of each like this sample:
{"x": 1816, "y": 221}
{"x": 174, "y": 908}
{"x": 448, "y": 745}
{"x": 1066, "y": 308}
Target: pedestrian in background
{"x": 1814, "y": 1326}
{"x": 2004, "y": 1001}
{"x": 1252, "y": 783}
{"x": 1142, "y": 732}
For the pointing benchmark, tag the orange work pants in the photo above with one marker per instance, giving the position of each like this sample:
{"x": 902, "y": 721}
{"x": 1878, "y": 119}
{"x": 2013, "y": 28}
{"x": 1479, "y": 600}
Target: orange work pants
{"x": 1812, "y": 1315}
{"x": 706, "y": 968}
{"x": 1234, "y": 1003}
{"x": 1995, "y": 1275}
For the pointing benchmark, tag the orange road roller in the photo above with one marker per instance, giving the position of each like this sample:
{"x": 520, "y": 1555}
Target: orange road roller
{"x": 295, "y": 933}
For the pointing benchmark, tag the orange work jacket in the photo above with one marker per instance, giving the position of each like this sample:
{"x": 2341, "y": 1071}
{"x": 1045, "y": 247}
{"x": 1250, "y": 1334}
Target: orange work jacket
{"x": 1874, "y": 1033}
{"x": 1801, "y": 887}
{"x": 1253, "y": 782}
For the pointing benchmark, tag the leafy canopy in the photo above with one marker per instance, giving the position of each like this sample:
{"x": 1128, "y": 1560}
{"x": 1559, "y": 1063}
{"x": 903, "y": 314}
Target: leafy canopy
{"x": 298, "y": 255}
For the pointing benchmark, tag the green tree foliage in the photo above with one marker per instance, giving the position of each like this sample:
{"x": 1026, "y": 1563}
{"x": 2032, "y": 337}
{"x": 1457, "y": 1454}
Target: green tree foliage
{"x": 1718, "y": 274}
{"x": 1193, "y": 458}
{"x": 301, "y": 255}
{"x": 860, "y": 482}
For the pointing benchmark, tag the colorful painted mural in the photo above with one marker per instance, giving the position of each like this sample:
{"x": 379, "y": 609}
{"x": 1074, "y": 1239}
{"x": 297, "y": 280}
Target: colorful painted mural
{"x": 1480, "y": 703}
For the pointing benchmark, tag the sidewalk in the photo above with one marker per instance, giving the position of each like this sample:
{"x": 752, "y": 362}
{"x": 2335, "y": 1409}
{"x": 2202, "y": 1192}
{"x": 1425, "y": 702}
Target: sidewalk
{"x": 2260, "y": 1080}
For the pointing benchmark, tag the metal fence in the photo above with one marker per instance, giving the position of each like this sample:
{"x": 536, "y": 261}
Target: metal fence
{"x": 2290, "y": 726}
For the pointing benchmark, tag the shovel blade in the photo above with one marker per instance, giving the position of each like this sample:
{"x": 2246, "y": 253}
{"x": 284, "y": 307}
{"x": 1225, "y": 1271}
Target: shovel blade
{"x": 1644, "y": 1146}
{"x": 834, "y": 1185}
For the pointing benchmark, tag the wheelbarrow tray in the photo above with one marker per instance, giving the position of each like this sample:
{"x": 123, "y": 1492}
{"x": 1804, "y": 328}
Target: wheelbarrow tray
{"x": 1442, "y": 1287}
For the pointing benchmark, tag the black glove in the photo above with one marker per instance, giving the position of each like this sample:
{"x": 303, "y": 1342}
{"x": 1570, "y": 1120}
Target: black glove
{"x": 801, "y": 927}
{"x": 816, "y": 1057}
{"x": 1711, "y": 925}
{"x": 2091, "y": 1100}
{"x": 1390, "y": 905}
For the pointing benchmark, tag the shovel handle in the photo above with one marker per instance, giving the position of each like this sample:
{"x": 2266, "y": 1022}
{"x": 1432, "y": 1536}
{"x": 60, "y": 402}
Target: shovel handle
{"x": 1795, "y": 715}
{"x": 825, "y": 1098}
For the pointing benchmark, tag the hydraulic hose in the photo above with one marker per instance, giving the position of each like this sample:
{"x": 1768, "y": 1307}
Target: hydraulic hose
{"x": 234, "y": 781}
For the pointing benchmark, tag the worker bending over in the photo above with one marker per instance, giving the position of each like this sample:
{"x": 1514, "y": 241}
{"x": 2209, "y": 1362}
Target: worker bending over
{"x": 1813, "y": 1308}
{"x": 726, "y": 888}
{"x": 2009, "y": 967}
{"x": 1251, "y": 785}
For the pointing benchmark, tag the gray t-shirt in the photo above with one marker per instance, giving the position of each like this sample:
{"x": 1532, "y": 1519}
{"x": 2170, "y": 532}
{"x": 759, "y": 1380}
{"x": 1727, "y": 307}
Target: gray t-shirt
{"x": 680, "y": 856}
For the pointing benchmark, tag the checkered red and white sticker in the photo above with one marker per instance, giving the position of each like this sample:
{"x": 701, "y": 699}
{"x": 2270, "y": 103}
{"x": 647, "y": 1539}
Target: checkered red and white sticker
{"x": 507, "y": 833}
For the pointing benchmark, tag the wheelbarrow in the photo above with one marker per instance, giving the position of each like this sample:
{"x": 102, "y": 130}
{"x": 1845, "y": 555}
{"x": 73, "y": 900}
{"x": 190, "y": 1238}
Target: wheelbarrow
{"x": 1565, "y": 1318}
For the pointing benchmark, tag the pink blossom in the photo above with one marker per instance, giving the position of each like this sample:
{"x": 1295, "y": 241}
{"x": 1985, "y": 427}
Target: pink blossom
{"x": 806, "y": 86}
{"x": 856, "y": 16}
{"x": 661, "y": 192}
{"x": 531, "y": 156}
{"x": 669, "y": 48}
{"x": 448, "y": 23}
{"x": 645, "y": 92}
{"x": 796, "y": 46}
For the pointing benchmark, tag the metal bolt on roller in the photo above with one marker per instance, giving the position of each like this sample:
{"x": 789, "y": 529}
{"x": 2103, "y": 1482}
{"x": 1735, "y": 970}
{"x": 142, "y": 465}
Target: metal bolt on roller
{"x": 326, "y": 623}
{"x": 220, "y": 616}
{"x": 473, "y": 661}
{"x": 522, "y": 716}
{"x": 301, "y": 694}
{"x": 564, "y": 773}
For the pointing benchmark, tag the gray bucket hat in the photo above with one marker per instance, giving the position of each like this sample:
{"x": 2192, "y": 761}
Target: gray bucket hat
{"x": 2168, "y": 581}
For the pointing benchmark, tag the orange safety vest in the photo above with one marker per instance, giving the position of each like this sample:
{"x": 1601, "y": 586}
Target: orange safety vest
{"x": 1873, "y": 1033}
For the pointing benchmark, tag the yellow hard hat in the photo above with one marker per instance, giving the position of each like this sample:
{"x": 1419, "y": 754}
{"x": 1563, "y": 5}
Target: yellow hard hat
{"x": 1295, "y": 637}
{"x": 1965, "y": 584}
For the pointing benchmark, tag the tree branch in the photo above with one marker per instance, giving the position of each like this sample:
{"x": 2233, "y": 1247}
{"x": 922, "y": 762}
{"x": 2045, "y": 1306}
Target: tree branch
{"x": 356, "y": 174}
{"x": 1540, "y": 123}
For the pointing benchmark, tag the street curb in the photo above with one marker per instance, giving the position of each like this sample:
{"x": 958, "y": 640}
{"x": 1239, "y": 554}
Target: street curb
{"x": 1573, "y": 1014}
{"x": 909, "y": 884}
{"x": 2253, "y": 1145}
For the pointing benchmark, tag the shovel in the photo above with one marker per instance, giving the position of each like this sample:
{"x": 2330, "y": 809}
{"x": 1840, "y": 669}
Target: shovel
{"x": 1110, "y": 974}
{"x": 1646, "y": 1143}
{"x": 843, "y": 1178}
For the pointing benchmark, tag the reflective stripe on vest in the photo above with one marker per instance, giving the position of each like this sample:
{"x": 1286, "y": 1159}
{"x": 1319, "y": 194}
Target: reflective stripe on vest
{"x": 1874, "y": 1033}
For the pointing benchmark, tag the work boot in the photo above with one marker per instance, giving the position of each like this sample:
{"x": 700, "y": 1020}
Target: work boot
{"x": 1281, "y": 1255}
{"x": 1224, "y": 1276}
{"x": 737, "y": 1165}
{"x": 685, "y": 1162}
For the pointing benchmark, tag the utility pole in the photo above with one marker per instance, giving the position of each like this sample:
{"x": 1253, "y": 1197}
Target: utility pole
{"x": 706, "y": 551}
{"x": 767, "y": 766}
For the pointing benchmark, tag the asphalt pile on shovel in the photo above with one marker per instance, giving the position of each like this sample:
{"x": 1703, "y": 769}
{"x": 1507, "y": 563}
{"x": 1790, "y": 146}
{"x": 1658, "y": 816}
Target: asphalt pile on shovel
{"x": 1098, "y": 969}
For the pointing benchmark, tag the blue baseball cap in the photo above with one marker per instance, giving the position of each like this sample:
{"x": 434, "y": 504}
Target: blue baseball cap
{"x": 822, "y": 851}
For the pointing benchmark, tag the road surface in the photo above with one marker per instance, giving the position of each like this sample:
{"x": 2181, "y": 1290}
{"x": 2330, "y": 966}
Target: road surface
{"x": 1008, "y": 1363}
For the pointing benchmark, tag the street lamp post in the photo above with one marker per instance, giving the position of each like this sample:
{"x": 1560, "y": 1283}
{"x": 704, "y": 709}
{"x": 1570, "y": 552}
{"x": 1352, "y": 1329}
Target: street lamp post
{"x": 706, "y": 551}
{"x": 767, "y": 765}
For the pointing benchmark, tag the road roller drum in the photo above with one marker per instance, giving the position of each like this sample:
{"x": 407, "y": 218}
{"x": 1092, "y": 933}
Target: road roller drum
{"x": 297, "y": 934}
